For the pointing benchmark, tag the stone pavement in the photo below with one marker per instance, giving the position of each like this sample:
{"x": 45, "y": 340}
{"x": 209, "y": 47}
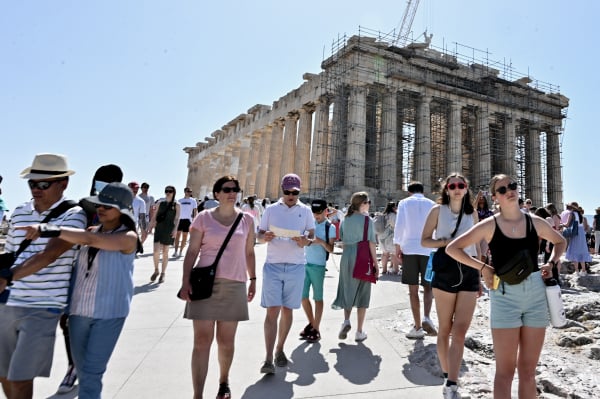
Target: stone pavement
{"x": 152, "y": 357}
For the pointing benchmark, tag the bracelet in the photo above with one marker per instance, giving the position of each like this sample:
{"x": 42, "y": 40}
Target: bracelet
{"x": 252, "y": 278}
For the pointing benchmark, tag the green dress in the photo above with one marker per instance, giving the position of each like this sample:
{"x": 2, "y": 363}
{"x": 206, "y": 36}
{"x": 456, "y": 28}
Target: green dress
{"x": 164, "y": 228}
{"x": 352, "y": 292}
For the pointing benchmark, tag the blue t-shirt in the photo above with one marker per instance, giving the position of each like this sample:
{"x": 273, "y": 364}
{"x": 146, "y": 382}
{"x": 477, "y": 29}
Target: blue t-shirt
{"x": 316, "y": 254}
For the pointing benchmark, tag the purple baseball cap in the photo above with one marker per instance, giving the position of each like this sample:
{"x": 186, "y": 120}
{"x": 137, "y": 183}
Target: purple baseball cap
{"x": 291, "y": 181}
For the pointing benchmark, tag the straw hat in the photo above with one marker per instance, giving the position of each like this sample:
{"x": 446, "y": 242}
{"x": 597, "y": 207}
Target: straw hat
{"x": 47, "y": 166}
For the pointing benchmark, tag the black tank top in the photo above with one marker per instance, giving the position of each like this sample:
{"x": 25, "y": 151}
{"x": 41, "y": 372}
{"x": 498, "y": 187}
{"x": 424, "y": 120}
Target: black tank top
{"x": 503, "y": 248}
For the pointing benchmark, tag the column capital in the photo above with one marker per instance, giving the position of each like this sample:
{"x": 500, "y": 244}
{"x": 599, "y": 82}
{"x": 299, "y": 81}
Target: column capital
{"x": 308, "y": 108}
{"x": 292, "y": 115}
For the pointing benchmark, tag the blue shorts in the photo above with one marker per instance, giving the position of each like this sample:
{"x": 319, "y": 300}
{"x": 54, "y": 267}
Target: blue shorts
{"x": 282, "y": 285}
{"x": 523, "y": 304}
{"x": 27, "y": 338}
{"x": 315, "y": 275}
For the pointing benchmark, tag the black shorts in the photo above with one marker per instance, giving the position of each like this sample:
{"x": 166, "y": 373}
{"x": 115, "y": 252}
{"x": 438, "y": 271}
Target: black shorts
{"x": 184, "y": 225}
{"x": 456, "y": 277}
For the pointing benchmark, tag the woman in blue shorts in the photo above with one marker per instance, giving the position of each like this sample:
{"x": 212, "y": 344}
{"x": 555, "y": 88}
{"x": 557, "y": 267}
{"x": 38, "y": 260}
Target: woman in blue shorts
{"x": 518, "y": 312}
{"x": 456, "y": 286}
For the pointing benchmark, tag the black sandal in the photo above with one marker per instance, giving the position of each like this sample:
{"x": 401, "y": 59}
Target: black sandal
{"x": 313, "y": 336}
{"x": 224, "y": 392}
{"x": 304, "y": 333}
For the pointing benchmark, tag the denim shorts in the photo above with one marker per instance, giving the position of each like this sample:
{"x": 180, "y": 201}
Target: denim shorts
{"x": 523, "y": 304}
{"x": 315, "y": 275}
{"x": 27, "y": 338}
{"x": 282, "y": 285}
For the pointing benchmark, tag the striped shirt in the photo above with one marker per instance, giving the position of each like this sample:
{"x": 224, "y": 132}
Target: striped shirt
{"x": 104, "y": 289}
{"x": 49, "y": 287}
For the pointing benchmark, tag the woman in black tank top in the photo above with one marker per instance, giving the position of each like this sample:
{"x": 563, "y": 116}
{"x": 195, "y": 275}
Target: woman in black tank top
{"x": 518, "y": 313}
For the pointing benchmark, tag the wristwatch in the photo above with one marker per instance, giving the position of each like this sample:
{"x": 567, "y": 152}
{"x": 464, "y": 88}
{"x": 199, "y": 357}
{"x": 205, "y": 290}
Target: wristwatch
{"x": 7, "y": 275}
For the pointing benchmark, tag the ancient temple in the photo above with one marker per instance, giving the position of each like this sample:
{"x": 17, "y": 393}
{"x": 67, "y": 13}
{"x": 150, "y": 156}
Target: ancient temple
{"x": 379, "y": 116}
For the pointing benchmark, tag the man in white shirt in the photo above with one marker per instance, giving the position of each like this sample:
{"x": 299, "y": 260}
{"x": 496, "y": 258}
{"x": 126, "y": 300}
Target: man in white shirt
{"x": 149, "y": 201}
{"x": 189, "y": 207}
{"x": 410, "y": 219}
{"x": 287, "y": 226}
{"x": 139, "y": 208}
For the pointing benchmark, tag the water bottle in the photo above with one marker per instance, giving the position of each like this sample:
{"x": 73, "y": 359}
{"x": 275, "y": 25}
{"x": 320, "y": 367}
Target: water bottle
{"x": 555, "y": 303}
{"x": 429, "y": 270}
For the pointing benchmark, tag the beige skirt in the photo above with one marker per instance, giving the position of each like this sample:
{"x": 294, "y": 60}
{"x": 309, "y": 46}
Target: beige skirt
{"x": 228, "y": 302}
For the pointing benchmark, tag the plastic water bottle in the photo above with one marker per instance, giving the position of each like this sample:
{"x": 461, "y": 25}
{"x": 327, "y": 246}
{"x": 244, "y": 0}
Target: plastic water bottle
{"x": 555, "y": 303}
{"x": 429, "y": 273}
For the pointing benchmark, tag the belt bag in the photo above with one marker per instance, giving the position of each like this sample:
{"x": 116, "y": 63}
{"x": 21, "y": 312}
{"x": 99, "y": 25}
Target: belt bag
{"x": 517, "y": 269}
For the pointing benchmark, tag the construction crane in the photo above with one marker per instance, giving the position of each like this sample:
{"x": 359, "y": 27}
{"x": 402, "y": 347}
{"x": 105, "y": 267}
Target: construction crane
{"x": 406, "y": 24}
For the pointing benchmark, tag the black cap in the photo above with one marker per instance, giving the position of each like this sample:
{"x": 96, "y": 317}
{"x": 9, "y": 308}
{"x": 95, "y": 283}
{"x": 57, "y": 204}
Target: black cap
{"x": 318, "y": 205}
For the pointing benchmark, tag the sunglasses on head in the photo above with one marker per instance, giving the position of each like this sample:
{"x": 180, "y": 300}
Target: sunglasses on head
{"x": 503, "y": 189}
{"x": 454, "y": 186}
{"x": 227, "y": 190}
{"x": 41, "y": 185}
{"x": 105, "y": 207}
{"x": 169, "y": 191}
{"x": 288, "y": 192}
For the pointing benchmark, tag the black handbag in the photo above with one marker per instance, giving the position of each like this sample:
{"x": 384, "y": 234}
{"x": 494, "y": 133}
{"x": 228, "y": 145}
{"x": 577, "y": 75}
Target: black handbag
{"x": 440, "y": 257}
{"x": 202, "y": 279}
{"x": 519, "y": 267}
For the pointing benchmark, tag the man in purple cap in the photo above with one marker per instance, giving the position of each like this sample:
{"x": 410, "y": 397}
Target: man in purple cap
{"x": 287, "y": 226}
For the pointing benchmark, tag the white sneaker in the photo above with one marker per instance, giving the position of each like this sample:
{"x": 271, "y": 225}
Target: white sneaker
{"x": 451, "y": 392}
{"x": 344, "y": 330}
{"x": 429, "y": 327}
{"x": 416, "y": 334}
{"x": 360, "y": 336}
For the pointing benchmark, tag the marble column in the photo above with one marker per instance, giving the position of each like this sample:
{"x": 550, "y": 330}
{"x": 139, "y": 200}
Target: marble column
{"x": 253, "y": 157}
{"x": 262, "y": 166}
{"x": 289, "y": 143}
{"x": 422, "y": 149}
{"x": 454, "y": 142}
{"x": 226, "y": 162}
{"x": 554, "y": 167}
{"x": 243, "y": 164}
{"x": 235, "y": 159}
{"x": 356, "y": 145}
{"x": 533, "y": 167}
{"x": 482, "y": 160}
{"x": 389, "y": 133}
{"x": 319, "y": 146}
{"x": 302, "y": 161}
{"x": 509, "y": 146}
{"x": 275, "y": 148}
{"x": 337, "y": 141}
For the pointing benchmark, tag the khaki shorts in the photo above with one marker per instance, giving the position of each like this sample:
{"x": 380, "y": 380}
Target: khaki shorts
{"x": 27, "y": 338}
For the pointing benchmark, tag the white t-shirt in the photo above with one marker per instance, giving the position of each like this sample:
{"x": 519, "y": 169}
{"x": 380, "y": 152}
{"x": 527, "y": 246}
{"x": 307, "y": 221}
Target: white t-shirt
{"x": 139, "y": 207}
{"x": 187, "y": 206}
{"x": 299, "y": 219}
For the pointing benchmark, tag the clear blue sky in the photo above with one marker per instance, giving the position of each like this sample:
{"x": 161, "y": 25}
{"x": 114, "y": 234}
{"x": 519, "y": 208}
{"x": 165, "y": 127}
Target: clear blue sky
{"x": 134, "y": 82}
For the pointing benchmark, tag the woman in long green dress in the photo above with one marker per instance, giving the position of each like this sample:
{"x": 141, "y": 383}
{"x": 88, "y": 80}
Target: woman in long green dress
{"x": 353, "y": 292}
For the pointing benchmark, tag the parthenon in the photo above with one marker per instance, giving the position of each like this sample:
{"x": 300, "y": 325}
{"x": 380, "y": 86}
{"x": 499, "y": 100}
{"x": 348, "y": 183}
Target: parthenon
{"x": 379, "y": 116}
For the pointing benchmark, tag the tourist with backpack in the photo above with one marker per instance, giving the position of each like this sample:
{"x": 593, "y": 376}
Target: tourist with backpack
{"x": 317, "y": 252}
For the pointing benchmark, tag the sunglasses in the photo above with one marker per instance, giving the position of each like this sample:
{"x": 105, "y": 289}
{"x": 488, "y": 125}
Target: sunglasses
{"x": 227, "y": 190}
{"x": 503, "y": 189}
{"x": 288, "y": 192}
{"x": 105, "y": 207}
{"x": 367, "y": 202}
{"x": 41, "y": 185}
{"x": 460, "y": 186}
{"x": 169, "y": 191}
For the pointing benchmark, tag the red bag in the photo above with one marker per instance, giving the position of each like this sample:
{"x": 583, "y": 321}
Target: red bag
{"x": 364, "y": 268}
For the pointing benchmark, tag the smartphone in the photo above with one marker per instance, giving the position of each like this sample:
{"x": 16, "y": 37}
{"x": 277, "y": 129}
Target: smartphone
{"x": 496, "y": 282}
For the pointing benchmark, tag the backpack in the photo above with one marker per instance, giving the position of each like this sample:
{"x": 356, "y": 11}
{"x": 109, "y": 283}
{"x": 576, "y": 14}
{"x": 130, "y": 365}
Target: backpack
{"x": 379, "y": 223}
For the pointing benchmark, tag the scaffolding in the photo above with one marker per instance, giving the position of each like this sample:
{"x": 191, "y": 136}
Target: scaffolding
{"x": 506, "y": 121}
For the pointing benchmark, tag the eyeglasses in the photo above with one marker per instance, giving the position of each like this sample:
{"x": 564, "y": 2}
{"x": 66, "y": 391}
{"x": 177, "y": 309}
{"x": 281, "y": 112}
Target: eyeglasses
{"x": 169, "y": 191}
{"x": 503, "y": 189}
{"x": 288, "y": 192}
{"x": 367, "y": 202}
{"x": 227, "y": 190}
{"x": 453, "y": 186}
{"x": 41, "y": 185}
{"x": 105, "y": 207}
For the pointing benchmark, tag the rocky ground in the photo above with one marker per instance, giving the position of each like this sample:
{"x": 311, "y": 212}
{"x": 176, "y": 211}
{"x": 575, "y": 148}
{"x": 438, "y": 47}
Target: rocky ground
{"x": 569, "y": 366}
